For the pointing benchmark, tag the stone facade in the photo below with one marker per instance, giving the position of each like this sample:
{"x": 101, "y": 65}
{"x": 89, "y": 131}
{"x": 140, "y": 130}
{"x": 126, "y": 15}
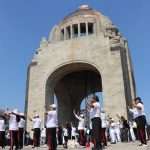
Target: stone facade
{"x": 84, "y": 40}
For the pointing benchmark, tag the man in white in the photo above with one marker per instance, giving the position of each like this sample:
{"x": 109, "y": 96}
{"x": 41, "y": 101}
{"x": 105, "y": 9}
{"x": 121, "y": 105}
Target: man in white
{"x": 51, "y": 125}
{"x": 36, "y": 130}
{"x": 21, "y": 126}
{"x": 13, "y": 127}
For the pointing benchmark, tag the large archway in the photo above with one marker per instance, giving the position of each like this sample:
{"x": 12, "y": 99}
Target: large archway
{"x": 70, "y": 84}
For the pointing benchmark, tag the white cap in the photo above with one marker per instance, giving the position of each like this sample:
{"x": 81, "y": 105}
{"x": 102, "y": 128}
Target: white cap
{"x": 53, "y": 106}
{"x": 15, "y": 111}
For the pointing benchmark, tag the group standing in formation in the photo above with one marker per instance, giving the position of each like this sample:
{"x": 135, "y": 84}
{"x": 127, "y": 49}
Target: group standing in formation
{"x": 100, "y": 130}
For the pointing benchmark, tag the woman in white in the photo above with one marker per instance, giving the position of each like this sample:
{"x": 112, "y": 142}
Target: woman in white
{"x": 81, "y": 127}
{"x": 140, "y": 119}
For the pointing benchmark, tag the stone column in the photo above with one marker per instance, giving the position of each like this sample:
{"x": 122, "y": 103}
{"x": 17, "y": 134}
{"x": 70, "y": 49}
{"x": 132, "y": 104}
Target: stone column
{"x": 71, "y": 32}
{"x": 78, "y": 29}
{"x": 65, "y": 36}
{"x": 86, "y": 24}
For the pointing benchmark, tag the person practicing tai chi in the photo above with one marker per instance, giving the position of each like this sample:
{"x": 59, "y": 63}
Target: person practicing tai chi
{"x": 21, "y": 126}
{"x": 51, "y": 125}
{"x": 140, "y": 119}
{"x": 96, "y": 122}
{"x": 81, "y": 127}
{"x": 14, "y": 118}
{"x": 36, "y": 130}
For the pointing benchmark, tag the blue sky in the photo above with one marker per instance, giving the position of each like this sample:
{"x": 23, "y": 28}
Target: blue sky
{"x": 24, "y": 22}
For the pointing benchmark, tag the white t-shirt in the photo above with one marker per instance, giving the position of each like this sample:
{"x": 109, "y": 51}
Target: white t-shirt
{"x": 96, "y": 110}
{"x": 81, "y": 124}
{"x": 104, "y": 120}
{"x": 134, "y": 112}
{"x": 21, "y": 123}
{"x": 140, "y": 112}
{"x": 65, "y": 132}
{"x": 13, "y": 124}
{"x": 52, "y": 121}
{"x": 73, "y": 131}
{"x": 36, "y": 123}
{"x": 2, "y": 125}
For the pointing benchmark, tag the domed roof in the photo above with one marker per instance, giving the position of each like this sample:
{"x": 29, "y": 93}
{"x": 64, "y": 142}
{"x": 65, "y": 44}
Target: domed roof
{"x": 82, "y": 10}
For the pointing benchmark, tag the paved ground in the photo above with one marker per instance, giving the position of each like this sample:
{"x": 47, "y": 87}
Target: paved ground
{"x": 118, "y": 146}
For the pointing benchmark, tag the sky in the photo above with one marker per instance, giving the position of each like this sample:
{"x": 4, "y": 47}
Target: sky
{"x": 24, "y": 22}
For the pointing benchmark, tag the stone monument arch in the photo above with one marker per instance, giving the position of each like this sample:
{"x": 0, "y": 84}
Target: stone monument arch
{"x": 85, "y": 47}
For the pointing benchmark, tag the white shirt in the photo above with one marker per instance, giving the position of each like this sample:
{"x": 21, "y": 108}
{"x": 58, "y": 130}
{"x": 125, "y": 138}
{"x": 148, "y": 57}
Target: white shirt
{"x": 96, "y": 110}
{"x": 81, "y": 124}
{"x": 43, "y": 132}
{"x": 134, "y": 112}
{"x": 73, "y": 131}
{"x": 140, "y": 112}
{"x": 21, "y": 123}
{"x": 65, "y": 132}
{"x": 36, "y": 123}
{"x": 2, "y": 125}
{"x": 13, "y": 124}
{"x": 104, "y": 120}
{"x": 52, "y": 121}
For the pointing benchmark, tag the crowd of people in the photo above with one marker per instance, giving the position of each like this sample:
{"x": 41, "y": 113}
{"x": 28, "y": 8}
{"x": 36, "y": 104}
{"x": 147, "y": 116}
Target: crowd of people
{"x": 97, "y": 130}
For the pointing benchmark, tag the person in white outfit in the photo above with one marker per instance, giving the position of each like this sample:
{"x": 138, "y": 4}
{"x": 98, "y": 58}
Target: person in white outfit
{"x": 13, "y": 127}
{"x": 112, "y": 132}
{"x": 81, "y": 127}
{"x": 65, "y": 136}
{"x": 51, "y": 125}
{"x": 117, "y": 131}
{"x": 21, "y": 126}
{"x": 36, "y": 130}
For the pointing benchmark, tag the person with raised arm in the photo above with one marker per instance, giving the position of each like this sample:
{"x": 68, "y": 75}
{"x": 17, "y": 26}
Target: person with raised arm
{"x": 36, "y": 130}
{"x": 81, "y": 127}
{"x": 13, "y": 118}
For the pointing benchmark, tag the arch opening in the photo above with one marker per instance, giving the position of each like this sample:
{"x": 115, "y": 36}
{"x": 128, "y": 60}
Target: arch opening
{"x": 69, "y": 85}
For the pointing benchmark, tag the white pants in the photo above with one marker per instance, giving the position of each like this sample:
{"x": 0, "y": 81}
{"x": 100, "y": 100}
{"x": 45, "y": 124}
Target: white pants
{"x": 117, "y": 132}
{"x": 132, "y": 134}
{"x": 112, "y": 135}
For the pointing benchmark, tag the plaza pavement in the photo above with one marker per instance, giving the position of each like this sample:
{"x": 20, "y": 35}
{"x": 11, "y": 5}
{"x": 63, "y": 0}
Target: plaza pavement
{"x": 118, "y": 146}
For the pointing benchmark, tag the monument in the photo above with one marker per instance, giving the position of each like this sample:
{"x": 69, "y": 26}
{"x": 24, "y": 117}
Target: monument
{"x": 84, "y": 54}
